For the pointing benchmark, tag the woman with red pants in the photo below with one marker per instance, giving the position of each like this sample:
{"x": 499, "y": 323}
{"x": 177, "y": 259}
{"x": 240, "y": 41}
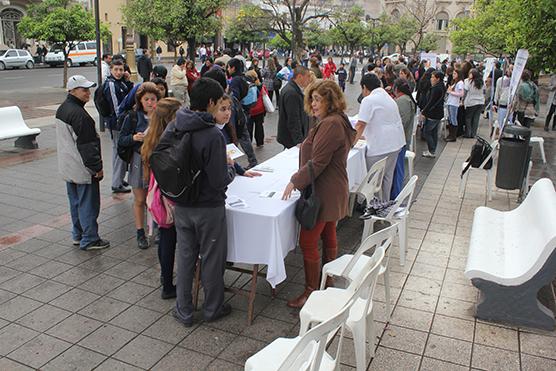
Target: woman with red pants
{"x": 327, "y": 146}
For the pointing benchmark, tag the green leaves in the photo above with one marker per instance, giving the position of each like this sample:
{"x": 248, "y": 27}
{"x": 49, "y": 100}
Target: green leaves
{"x": 501, "y": 27}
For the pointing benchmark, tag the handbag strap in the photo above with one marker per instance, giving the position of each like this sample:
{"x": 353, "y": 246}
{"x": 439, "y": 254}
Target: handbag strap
{"x": 311, "y": 174}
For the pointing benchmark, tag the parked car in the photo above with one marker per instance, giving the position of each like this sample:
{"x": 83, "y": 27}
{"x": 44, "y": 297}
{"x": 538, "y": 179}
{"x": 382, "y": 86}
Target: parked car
{"x": 16, "y": 58}
{"x": 83, "y": 53}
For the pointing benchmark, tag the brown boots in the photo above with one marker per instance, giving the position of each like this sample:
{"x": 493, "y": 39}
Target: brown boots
{"x": 312, "y": 275}
{"x": 452, "y": 133}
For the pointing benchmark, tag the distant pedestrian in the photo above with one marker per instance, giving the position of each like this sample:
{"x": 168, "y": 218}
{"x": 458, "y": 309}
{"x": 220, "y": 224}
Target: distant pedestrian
{"x": 474, "y": 102}
{"x": 269, "y": 74}
{"x": 192, "y": 74}
{"x": 314, "y": 66}
{"x": 105, "y": 66}
{"x": 80, "y": 163}
{"x": 352, "y": 68}
{"x": 342, "y": 77}
{"x": 145, "y": 66}
{"x": 330, "y": 69}
{"x": 455, "y": 94}
{"x": 433, "y": 112}
{"x": 527, "y": 107}
{"x": 158, "y": 54}
{"x": 178, "y": 81}
{"x": 552, "y": 108}
{"x": 181, "y": 51}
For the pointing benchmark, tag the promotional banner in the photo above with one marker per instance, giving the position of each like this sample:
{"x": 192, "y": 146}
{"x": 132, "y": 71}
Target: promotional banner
{"x": 431, "y": 57}
{"x": 519, "y": 66}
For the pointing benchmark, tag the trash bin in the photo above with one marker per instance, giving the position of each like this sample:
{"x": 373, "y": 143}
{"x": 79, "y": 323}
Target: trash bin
{"x": 513, "y": 157}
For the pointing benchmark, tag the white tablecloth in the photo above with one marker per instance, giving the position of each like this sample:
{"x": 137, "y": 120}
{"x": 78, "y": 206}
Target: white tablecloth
{"x": 265, "y": 230}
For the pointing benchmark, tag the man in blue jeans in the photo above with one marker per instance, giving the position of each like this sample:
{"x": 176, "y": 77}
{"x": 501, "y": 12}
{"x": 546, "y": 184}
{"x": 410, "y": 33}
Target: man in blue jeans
{"x": 80, "y": 163}
{"x": 433, "y": 112}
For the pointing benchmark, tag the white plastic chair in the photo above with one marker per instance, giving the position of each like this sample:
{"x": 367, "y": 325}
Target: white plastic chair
{"x": 307, "y": 351}
{"x": 323, "y": 304}
{"x": 410, "y": 157}
{"x": 490, "y": 173}
{"x": 370, "y": 185}
{"x": 411, "y": 146}
{"x": 540, "y": 142}
{"x": 398, "y": 214}
{"x": 350, "y": 266}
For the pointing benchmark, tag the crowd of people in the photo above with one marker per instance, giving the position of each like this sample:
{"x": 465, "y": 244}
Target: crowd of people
{"x": 226, "y": 103}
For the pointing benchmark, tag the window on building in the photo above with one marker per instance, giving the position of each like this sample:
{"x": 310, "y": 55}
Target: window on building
{"x": 395, "y": 14}
{"x": 442, "y": 21}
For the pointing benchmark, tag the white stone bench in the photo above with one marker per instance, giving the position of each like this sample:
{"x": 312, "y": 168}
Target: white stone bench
{"x": 512, "y": 256}
{"x": 13, "y": 126}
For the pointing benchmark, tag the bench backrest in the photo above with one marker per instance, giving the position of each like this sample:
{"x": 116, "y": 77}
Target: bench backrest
{"x": 11, "y": 117}
{"x": 532, "y": 227}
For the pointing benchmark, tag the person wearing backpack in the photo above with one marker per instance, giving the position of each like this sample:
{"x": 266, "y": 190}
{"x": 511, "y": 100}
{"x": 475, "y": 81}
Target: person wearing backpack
{"x": 115, "y": 91}
{"x": 163, "y": 114}
{"x": 527, "y": 107}
{"x": 132, "y": 136}
{"x": 257, "y": 111}
{"x": 474, "y": 100}
{"x": 80, "y": 163}
{"x": 201, "y": 220}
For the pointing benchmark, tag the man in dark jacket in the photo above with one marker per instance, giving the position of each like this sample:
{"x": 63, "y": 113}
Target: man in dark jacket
{"x": 201, "y": 223}
{"x": 145, "y": 65}
{"x": 293, "y": 122}
{"x": 115, "y": 91}
{"x": 433, "y": 112}
{"x": 238, "y": 88}
{"x": 80, "y": 163}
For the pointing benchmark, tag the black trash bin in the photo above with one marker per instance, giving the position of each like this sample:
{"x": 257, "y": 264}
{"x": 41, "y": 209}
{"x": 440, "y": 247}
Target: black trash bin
{"x": 513, "y": 157}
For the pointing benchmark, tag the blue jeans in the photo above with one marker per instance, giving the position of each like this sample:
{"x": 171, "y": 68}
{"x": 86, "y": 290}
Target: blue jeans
{"x": 453, "y": 115}
{"x": 430, "y": 131}
{"x": 84, "y": 202}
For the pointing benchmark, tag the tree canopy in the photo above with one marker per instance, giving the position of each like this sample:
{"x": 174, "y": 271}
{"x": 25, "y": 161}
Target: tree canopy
{"x": 60, "y": 21}
{"x": 250, "y": 25}
{"x": 174, "y": 21}
{"x": 349, "y": 29}
{"x": 501, "y": 27}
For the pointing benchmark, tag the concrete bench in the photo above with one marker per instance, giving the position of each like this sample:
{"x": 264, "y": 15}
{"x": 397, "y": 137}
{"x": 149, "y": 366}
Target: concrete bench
{"x": 13, "y": 126}
{"x": 512, "y": 256}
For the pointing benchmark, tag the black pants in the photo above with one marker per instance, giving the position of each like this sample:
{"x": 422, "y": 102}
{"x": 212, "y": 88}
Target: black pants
{"x": 270, "y": 94}
{"x": 524, "y": 121}
{"x": 166, "y": 254}
{"x": 461, "y": 121}
{"x": 255, "y": 126}
{"x": 472, "y": 117}
{"x": 549, "y": 116}
{"x": 351, "y": 74}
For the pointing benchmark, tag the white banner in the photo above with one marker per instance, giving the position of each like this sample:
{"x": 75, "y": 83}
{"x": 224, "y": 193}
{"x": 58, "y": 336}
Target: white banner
{"x": 489, "y": 65}
{"x": 519, "y": 66}
{"x": 431, "y": 57}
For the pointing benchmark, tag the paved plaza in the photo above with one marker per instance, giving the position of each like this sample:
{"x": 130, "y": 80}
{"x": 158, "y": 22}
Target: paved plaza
{"x": 66, "y": 309}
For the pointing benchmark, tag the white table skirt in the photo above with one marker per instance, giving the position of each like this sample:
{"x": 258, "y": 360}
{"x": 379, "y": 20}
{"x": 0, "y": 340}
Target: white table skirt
{"x": 265, "y": 230}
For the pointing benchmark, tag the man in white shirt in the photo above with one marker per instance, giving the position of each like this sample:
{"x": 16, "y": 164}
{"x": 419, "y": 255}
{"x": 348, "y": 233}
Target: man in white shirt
{"x": 105, "y": 64}
{"x": 381, "y": 125}
{"x": 202, "y": 53}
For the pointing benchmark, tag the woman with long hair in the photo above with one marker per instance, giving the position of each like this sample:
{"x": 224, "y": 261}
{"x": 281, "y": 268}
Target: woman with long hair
{"x": 455, "y": 92}
{"x": 162, "y": 85}
{"x": 163, "y": 114}
{"x": 256, "y": 117}
{"x": 406, "y": 74}
{"x": 133, "y": 135}
{"x": 269, "y": 74}
{"x": 474, "y": 101}
{"x": 323, "y": 153}
{"x": 192, "y": 74}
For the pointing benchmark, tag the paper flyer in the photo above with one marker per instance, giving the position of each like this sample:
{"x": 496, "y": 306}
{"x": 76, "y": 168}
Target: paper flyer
{"x": 233, "y": 151}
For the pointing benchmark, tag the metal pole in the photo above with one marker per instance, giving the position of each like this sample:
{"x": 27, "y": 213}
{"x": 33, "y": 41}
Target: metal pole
{"x": 99, "y": 61}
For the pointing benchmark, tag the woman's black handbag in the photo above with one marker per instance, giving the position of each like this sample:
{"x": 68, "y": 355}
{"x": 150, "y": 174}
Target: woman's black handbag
{"x": 308, "y": 206}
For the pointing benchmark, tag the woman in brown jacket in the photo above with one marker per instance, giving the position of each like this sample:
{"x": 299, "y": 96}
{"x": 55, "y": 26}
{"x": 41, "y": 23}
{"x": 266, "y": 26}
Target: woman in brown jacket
{"x": 327, "y": 145}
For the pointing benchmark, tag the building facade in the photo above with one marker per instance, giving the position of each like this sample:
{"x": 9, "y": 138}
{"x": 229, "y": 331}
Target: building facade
{"x": 11, "y": 12}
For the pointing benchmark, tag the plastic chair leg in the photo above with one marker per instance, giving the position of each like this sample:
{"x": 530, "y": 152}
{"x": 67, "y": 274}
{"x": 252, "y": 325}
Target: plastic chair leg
{"x": 368, "y": 228}
{"x": 462, "y": 183}
{"x": 371, "y": 337}
{"x": 352, "y": 197}
{"x": 489, "y": 184}
{"x": 304, "y": 323}
{"x": 387, "y": 294}
{"x": 410, "y": 166}
{"x": 360, "y": 344}
{"x": 402, "y": 236}
{"x": 543, "y": 156}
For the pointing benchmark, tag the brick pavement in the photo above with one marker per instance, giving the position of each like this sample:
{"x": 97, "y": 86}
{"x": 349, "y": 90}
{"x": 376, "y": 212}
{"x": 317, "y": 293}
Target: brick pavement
{"x": 61, "y": 308}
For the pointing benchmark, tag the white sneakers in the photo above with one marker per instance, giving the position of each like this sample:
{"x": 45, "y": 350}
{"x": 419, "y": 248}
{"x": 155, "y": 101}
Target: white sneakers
{"x": 428, "y": 154}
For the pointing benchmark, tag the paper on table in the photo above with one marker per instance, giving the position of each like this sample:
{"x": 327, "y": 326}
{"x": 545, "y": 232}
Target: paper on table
{"x": 361, "y": 143}
{"x": 233, "y": 151}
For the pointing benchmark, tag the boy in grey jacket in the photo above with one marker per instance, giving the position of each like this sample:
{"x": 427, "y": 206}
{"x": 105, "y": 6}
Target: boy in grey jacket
{"x": 80, "y": 163}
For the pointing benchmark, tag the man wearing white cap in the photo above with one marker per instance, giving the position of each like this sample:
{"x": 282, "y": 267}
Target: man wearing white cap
{"x": 80, "y": 163}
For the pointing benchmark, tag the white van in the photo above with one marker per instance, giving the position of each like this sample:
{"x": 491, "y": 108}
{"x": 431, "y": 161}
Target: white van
{"x": 83, "y": 53}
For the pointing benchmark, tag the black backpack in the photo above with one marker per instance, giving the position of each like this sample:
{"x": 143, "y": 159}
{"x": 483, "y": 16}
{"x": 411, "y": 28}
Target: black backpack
{"x": 126, "y": 153}
{"x": 240, "y": 115}
{"x": 479, "y": 152}
{"x": 174, "y": 166}
{"x": 101, "y": 103}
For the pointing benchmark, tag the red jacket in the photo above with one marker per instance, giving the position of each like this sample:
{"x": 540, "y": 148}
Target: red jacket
{"x": 192, "y": 76}
{"x": 329, "y": 70}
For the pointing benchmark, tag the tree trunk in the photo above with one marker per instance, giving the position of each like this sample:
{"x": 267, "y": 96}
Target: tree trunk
{"x": 65, "y": 69}
{"x": 175, "y": 53}
{"x": 191, "y": 48}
